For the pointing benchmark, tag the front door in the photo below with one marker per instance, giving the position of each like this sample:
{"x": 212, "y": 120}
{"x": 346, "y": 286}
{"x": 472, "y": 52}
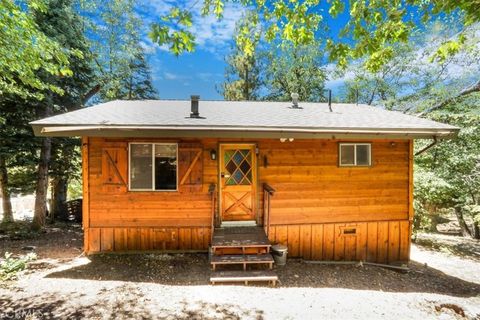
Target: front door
{"x": 237, "y": 182}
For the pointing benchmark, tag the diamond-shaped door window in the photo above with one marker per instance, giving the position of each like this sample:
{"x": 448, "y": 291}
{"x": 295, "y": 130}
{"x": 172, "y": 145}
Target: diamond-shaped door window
{"x": 238, "y": 157}
{"x": 238, "y": 165}
{"x": 238, "y": 176}
{"x": 244, "y": 152}
{"x": 228, "y": 155}
{"x": 230, "y": 182}
{"x": 245, "y": 167}
{"x": 231, "y": 167}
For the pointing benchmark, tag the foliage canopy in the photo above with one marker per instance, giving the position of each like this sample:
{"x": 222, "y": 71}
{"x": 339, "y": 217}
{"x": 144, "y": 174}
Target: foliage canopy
{"x": 25, "y": 51}
{"x": 371, "y": 30}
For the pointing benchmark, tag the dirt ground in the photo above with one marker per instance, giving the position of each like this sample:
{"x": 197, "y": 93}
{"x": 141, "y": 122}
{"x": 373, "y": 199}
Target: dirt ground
{"x": 62, "y": 283}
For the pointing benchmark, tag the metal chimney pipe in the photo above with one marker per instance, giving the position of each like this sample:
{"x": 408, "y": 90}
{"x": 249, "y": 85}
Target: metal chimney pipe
{"x": 294, "y": 96}
{"x": 194, "y": 106}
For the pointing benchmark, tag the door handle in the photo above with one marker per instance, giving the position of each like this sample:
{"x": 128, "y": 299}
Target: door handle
{"x": 223, "y": 175}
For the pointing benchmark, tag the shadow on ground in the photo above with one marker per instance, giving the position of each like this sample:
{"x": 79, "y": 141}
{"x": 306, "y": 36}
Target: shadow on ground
{"x": 124, "y": 302}
{"x": 193, "y": 269}
{"x": 43, "y": 306}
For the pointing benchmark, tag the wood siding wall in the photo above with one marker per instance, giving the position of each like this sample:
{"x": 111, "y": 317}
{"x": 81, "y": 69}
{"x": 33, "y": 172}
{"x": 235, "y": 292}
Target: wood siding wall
{"x": 312, "y": 188}
{"x": 148, "y": 239}
{"x": 382, "y": 242}
{"x": 312, "y": 193}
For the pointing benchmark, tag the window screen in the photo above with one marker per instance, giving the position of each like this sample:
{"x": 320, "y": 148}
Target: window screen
{"x": 347, "y": 154}
{"x": 141, "y": 166}
{"x": 153, "y": 166}
{"x": 165, "y": 167}
{"x": 363, "y": 155}
{"x": 355, "y": 154}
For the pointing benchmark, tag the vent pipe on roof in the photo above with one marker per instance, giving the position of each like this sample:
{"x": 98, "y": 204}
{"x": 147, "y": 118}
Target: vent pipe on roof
{"x": 194, "y": 106}
{"x": 294, "y": 96}
{"x": 330, "y": 100}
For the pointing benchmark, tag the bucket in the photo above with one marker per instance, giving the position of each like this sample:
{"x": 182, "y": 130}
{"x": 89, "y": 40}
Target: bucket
{"x": 279, "y": 253}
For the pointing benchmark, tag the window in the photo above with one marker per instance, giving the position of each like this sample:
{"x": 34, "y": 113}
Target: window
{"x": 355, "y": 154}
{"x": 153, "y": 166}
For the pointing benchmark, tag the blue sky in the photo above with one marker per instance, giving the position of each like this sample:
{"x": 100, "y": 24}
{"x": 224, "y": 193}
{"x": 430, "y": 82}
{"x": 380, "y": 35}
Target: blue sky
{"x": 202, "y": 71}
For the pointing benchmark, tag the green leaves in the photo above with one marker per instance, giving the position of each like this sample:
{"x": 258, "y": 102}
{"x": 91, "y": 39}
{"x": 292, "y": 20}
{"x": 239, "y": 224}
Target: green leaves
{"x": 337, "y": 7}
{"x": 296, "y": 69}
{"x": 178, "y": 41}
{"x": 243, "y": 71}
{"x": 372, "y": 30}
{"x": 247, "y": 34}
{"x": 213, "y": 6}
{"x": 173, "y": 31}
{"x": 25, "y": 51}
{"x": 181, "y": 41}
{"x": 10, "y": 266}
{"x": 338, "y": 52}
{"x": 182, "y": 17}
{"x": 448, "y": 48}
{"x": 38, "y": 5}
{"x": 120, "y": 56}
{"x": 296, "y": 22}
{"x": 159, "y": 34}
{"x": 448, "y": 175}
{"x": 379, "y": 58}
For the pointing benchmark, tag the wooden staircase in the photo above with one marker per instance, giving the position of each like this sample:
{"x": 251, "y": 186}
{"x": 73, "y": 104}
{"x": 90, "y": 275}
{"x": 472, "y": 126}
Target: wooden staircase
{"x": 248, "y": 249}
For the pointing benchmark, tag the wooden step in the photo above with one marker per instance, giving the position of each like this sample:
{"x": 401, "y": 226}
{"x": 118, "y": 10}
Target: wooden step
{"x": 241, "y": 240}
{"x": 240, "y": 250}
{"x": 244, "y": 276}
{"x": 265, "y": 258}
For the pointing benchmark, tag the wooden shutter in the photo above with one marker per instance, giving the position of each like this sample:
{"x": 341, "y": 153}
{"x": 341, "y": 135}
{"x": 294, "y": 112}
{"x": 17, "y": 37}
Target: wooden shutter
{"x": 115, "y": 168}
{"x": 190, "y": 166}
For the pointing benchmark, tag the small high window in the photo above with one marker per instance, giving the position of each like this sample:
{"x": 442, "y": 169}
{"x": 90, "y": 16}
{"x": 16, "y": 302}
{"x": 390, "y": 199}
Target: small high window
{"x": 153, "y": 166}
{"x": 355, "y": 154}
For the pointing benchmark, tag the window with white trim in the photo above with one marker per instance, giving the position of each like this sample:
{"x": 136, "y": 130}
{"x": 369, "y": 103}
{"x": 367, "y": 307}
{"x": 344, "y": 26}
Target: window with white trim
{"x": 153, "y": 166}
{"x": 355, "y": 154}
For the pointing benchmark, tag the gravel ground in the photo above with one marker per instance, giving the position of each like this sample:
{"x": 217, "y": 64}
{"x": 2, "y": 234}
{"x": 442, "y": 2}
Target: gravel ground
{"x": 452, "y": 245}
{"x": 463, "y": 268}
{"x": 62, "y": 284}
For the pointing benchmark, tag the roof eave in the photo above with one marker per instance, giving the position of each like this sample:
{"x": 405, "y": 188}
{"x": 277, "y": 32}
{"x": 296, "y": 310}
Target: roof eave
{"x": 233, "y": 132}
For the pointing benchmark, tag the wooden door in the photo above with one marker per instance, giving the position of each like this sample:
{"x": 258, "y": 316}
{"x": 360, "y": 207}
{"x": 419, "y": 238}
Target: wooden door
{"x": 238, "y": 182}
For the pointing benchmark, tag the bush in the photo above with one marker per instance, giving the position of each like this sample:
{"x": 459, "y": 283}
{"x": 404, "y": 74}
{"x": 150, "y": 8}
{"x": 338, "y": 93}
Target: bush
{"x": 10, "y": 266}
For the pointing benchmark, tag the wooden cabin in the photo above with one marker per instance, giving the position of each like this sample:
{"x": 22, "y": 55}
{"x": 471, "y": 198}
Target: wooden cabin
{"x": 331, "y": 183}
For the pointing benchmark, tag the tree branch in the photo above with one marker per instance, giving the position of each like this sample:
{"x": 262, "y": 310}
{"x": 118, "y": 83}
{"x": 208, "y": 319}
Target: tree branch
{"x": 473, "y": 88}
{"x": 93, "y": 91}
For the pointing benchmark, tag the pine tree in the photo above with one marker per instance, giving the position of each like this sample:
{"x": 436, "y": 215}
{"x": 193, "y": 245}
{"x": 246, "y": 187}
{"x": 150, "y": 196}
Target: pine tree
{"x": 123, "y": 68}
{"x": 17, "y": 161}
{"x": 61, "y": 23}
{"x": 243, "y": 79}
{"x": 138, "y": 84}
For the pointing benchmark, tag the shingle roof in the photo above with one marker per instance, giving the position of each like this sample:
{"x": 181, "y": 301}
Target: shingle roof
{"x": 241, "y": 116}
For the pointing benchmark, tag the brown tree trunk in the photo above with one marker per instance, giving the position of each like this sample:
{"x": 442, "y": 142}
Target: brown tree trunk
{"x": 246, "y": 92}
{"x": 476, "y": 230}
{"x": 461, "y": 221}
{"x": 5, "y": 193}
{"x": 40, "y": 211}
{"x": 59, "y": 197}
